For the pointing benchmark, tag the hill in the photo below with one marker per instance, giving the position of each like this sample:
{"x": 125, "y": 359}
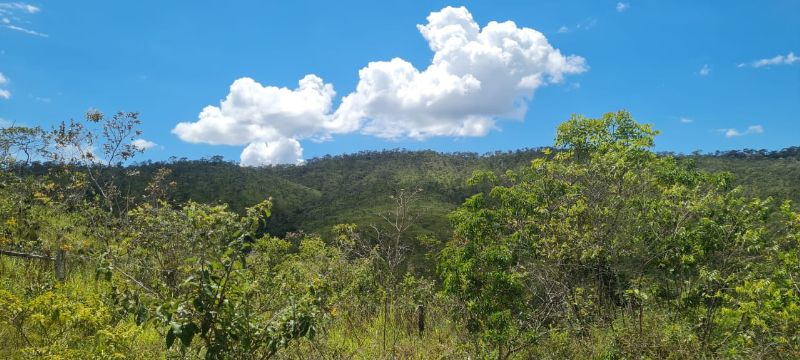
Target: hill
{"x": 354, "y": 188}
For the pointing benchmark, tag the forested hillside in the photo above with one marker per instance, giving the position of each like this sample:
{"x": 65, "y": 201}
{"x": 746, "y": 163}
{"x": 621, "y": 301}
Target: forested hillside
{"x": 760, "y": 173}
{"x": 596, "y": 247}
{"x": 331, "y": 190}
{"x": 354, "y": 188}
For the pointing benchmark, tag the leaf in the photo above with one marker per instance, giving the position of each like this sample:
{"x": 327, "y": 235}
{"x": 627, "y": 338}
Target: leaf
{"x": 198, "y": 303}
{"x": 187, "y": 333}
{"x": 141, "y": 314}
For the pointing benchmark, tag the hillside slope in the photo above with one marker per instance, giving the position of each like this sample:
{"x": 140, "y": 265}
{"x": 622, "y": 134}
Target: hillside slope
{"x": 355, "y": 187}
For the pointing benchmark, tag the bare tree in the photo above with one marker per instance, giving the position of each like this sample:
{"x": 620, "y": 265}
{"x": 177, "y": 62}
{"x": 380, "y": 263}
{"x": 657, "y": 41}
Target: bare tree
{"x": 389, "y": 248}
{"x": 77, "y": 143}
{"x": 21, "y": 145}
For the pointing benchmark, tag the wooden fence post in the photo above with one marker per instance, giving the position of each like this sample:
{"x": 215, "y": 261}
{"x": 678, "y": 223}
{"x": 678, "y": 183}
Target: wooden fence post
{"x": 421, "y": 319}
{"x": 59, "y": 262}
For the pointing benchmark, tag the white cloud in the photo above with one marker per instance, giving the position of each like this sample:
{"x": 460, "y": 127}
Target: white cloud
{"x": 281, "y": 151}
{"x": 686, "y": 120}
{"x": 13, "y": 14}
{"x": 143, "y": 144}
{"x": 255, "y": 113}
{"x": 752, "y": 129}
{"x": 621, "y": 6}
{"x": 5, "y": 123}
{"x": 268, "y": 118}
{"x": 477, "y": 77}
{"x": 4, "y": 93}
{"x": 705, "y": 70}
{"x": 563, "y": 29}
{"x": 27, "y": 31}
{"x": 19, "y": 6}
{"x": 788, "y": 59}
{"x": 586, "y": 24}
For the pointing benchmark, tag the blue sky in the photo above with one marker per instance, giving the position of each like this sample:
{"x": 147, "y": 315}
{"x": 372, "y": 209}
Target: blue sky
{"x": 709, "y": 75}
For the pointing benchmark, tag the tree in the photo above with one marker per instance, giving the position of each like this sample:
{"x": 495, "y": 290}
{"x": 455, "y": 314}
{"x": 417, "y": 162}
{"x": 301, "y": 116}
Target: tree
{"x": 77, "y": 143}
{"x": 601, "y": 228}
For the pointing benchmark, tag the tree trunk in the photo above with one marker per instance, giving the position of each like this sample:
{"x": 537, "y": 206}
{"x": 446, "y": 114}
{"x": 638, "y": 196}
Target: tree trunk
{"x": 421, "y": 319}
{"x": 61, "y": 265}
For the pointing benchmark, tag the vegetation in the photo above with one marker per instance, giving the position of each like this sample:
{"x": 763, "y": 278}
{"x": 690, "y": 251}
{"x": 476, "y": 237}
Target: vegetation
{"x": 594, "y": 248}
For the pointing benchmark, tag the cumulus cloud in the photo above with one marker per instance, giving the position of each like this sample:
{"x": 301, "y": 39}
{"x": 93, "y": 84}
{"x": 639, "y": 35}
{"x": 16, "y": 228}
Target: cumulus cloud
{"x": 267, "y": 118}
{"x": 621, "y": 6}
{"x": 143, "y": 144}
{"x": 752, "y": 129}
{"x": 705, "y": 70}
{"x": 478, "y": 76}
{"x": 787, "y": 59}
{"x": 280, "y": 151}
{"x": 255, "y": 113}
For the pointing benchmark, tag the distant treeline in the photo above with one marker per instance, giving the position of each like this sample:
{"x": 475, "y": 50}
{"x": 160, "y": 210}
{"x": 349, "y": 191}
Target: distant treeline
{"x": 355, "y": 187}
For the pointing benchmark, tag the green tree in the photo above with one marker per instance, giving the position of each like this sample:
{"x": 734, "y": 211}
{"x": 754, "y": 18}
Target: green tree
{"x": 600, "y": 229}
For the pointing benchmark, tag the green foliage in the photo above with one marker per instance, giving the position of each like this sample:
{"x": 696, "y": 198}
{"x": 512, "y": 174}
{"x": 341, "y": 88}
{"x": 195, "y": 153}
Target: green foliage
{"x": 605, "y": 226}
{"x": 595, "y": 248}
{"x": 69, "y": 321}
